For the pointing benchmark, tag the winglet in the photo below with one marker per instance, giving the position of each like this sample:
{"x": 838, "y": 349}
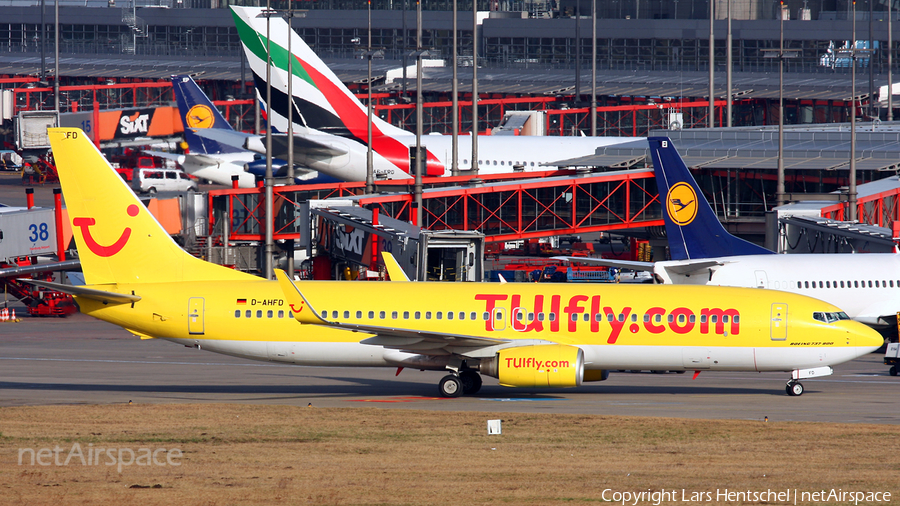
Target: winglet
{"x": 395, "y": 272}
{"x": 300, "y": 307}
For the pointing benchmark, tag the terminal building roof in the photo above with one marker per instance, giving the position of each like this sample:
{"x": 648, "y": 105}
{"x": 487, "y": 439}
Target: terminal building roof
{"x": 809, "y": 147}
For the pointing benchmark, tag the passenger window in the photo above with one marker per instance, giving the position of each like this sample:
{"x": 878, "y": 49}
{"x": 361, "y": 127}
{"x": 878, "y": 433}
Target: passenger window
{"x": 842, "y": 284}
{"x": 703, "y": 318}
{"x": 552, "y": 317}
{"x": 828, "y": 284}
{"x": 393, "y": 315}
{"x": 876, "y": 283}
{"x": 237, "y": 313}
{"x": 870, "y": 283}
{"x": 346, "y": 315}
{"x": 634, "y": 317}
{"x": 247, "y": 314}
{"x": 737, "y": 319}
{"x": 498, "y": 315}
{"x": 281, "y": 313}
{"x": 381, "y": 315}
{"x": 725, "y": 318}
{"x": 670, "y": 318}
{"x": 439, "y": 315}
{"x": 610, "y": 317}
{"x": 259, "y": 313}
{"x": 269, "y": 313}
{"x": 713, "y": 318}
{"x": 820, "y": 284}
{"x": 856, "y": 284}
{"x": 449, "y": 315}
{"x": 473, "y": 315}
{"x": 334, "y": 315}
{"x": 359, "y": 315}
{"x": 540, "y": 317}
{"x": 574, "y": 317}
{"x": 691, "y": 318}
{"x": 681, "y": 318}
{"x": 406, "y": 315}
{"x": 418, "y": 315}
{"x": 427, "y": 315}
{"x": 485, "y": 316}
{"x": 371, "y": 313}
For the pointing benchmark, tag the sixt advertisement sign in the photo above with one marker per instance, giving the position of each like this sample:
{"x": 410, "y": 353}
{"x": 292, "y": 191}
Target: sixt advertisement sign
{"x": 121, "y": 124}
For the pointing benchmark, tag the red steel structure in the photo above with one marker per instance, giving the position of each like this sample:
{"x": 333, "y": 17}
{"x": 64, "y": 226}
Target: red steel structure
{"x": 882, "y": 209}
{"x": 503, "y": 207}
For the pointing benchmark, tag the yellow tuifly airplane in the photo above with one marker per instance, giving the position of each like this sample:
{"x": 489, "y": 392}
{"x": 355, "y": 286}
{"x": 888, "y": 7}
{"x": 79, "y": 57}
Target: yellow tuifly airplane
{"x": 527, "y": 335}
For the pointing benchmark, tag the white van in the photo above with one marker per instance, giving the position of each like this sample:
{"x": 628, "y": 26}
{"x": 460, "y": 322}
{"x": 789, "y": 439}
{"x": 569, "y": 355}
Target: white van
{"x": 161, "y": 180}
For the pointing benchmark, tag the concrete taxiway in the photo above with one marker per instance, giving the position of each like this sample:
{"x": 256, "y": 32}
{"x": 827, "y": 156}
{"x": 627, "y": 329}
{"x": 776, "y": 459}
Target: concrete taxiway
{"x": 79, "y": 360}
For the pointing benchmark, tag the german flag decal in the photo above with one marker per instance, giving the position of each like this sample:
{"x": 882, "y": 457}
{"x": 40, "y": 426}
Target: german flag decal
{"x": 241, "y": 302}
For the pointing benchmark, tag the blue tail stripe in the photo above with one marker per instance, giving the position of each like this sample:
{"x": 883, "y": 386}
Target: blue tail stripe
{"x": 693, "y": 229}
{"x": 188, "y": 95}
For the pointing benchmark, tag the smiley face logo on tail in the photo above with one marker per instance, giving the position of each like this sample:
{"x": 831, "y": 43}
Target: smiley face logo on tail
{"x": 681, "y": 203}
{"x": 98, "y": 249}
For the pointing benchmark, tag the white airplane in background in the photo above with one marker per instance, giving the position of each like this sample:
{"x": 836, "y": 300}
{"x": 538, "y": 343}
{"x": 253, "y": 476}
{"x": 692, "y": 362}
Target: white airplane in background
{"x": 217, "y": 161}
{"x": 866, "y": 285}
{"x": 332, "y": 125}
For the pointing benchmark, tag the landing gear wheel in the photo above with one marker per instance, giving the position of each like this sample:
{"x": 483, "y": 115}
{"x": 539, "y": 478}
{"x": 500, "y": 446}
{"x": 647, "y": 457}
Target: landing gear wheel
{"x": 450, "y": 386}
{"x": 893, "y": 370}
{"x": 471, "y": 382}
{"x": 794, "y": 388}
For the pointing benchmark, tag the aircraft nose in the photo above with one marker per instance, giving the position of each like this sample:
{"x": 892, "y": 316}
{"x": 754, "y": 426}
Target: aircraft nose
{"x": 867, "y": 339}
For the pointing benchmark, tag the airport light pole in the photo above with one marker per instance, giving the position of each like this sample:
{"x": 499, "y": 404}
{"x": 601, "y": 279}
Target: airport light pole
{"x": 419, "y": 119}
{"x": 454, "y": 95}
{"x": 370, "y": 167}
{"x": 712, "y": 65}
{"x": 475, "y": 87}
{"x": 890, "y": 76}
{"x": 593, "y": 68}
{"x": 56, "y": 61}
{"x": 781, "y": 54}
{"x": 852, "y": 54}
{"x": 728, "y": 96}
{"x": 269, "y": 225}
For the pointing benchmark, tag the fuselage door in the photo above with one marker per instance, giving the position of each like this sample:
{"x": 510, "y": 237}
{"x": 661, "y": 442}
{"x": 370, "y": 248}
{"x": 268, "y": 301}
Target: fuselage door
{"x": 761, "y": 280}
{"x": 195, "y": 316}
{"x": 778, "y": 328}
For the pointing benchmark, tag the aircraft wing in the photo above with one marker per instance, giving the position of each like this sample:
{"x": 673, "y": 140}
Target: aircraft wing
{"x": 31, "y": 269}
{"x": 88, "y": 293}
{"x": 415, "y": 341}
{"x": 621, "y": 264}
{"x": 302, "y": 144}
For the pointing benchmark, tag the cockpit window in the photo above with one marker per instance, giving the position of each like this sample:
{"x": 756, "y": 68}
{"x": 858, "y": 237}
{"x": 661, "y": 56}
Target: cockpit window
{"x": 830, "y": 317}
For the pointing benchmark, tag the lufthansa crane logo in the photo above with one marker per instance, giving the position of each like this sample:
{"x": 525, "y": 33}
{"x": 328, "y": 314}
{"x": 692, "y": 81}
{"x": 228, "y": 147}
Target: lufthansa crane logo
{"x": 200, "y": 116}
{"x": 681, "y": 204}
{"x": 98, "y": 249}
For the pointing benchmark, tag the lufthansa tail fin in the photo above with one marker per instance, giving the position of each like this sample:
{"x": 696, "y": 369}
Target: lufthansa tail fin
{"x": 693, "y": 229}
{"x": 118, "y": 240}
{"x": 198, "y": 111}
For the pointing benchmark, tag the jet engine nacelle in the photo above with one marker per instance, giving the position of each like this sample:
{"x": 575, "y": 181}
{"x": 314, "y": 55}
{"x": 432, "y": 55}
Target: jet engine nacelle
{"x": 542, "y": 365}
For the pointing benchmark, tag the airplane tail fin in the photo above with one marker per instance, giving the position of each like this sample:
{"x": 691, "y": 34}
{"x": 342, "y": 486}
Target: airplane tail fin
{"x": 198, "y": 111}
{"x": 118, "y": 240}
{"x": 693, "y": 229}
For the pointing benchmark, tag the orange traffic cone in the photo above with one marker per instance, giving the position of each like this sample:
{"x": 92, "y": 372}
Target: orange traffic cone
{"x": 12, "y": 315}
{"x": 4, "y": 315}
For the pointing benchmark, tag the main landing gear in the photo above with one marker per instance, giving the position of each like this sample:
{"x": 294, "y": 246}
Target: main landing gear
{"x": 465, "y": 382}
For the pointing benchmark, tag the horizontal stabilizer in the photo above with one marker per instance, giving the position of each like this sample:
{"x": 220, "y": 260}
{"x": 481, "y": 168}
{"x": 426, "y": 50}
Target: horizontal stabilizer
{"x": 88, "y": 293}
{"x": 619, "y": 264}
{"x": 230, "y": 137}
{"x": 31, "y": 269}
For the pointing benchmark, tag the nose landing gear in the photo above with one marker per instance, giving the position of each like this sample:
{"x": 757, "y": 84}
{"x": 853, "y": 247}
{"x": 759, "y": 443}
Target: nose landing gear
{"x": 794, "y": 388}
